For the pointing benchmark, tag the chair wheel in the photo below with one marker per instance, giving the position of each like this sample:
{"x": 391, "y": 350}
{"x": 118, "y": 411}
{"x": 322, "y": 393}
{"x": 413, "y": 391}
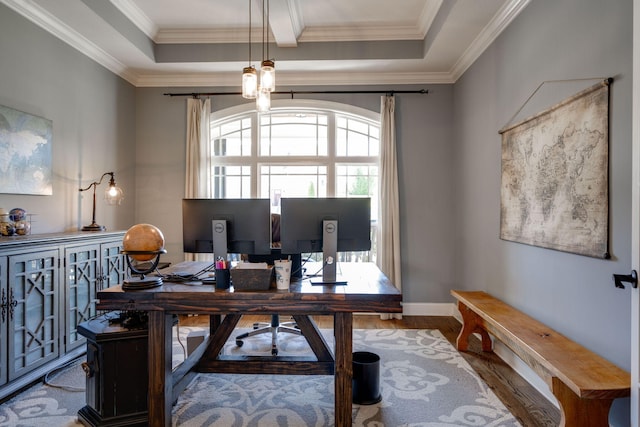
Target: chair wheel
{"x": 274, "y": 351}
{"x": 239, "y": 343}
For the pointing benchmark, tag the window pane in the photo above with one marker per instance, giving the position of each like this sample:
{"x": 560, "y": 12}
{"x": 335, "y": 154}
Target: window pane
{"x": 232, "y": 138}
{"x": 358, "y": 181}
{"x": 292, "y": 181}
{"x": 231, "y": 182}
{"x": 293, "y": 134}
{"x": 356, "y": 138}
{"x": 358, "y": 144}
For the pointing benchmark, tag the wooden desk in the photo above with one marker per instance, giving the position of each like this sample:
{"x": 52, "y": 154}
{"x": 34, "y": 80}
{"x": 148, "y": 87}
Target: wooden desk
{"x": 368, "y": 290}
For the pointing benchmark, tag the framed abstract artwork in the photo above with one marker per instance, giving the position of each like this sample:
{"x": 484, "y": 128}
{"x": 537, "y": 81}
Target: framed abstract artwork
{"x": 25, "y": 153}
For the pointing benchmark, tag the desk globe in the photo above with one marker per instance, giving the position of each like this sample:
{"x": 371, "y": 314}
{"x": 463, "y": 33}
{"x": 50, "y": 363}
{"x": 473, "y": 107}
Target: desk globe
{"x": 143, "y": 243}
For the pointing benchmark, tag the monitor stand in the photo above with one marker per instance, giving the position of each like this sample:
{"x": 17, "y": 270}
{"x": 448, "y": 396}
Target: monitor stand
{"x": 329, "y": 255}
{"x": 219, "y": 238}
{"x": 322, "y": 282}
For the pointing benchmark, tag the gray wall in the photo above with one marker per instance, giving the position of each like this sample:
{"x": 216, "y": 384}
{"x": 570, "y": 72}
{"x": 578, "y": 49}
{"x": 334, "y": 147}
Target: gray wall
{"x": 93, "y": 117}
{"x": 423, "y": 131}
{"x": 574, "y": 294}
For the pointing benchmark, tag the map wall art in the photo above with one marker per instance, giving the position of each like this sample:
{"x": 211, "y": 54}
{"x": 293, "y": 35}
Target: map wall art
{"x": 25, "y": 153}
{"x": 554, "y": 187}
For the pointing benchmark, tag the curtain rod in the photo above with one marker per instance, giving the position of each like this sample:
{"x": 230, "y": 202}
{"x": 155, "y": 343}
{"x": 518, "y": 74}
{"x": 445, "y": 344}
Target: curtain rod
{"x": 299, "y": 92}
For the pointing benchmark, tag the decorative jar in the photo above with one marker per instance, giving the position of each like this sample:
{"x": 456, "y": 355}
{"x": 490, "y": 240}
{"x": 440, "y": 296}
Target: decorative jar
{"x": 7, "y": 227}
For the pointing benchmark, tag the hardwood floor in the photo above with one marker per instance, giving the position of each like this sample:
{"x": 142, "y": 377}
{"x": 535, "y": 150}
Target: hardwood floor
{"x": 525, "y": 403}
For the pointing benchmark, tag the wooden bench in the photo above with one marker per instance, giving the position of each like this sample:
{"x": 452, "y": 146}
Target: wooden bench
{"x": 584, "y": 383}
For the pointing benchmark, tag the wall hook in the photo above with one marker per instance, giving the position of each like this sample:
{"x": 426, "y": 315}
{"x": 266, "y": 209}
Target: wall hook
{"x": 629, "y": 278}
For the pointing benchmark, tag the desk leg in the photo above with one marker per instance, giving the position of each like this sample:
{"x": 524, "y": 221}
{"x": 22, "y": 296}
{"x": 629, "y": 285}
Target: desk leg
{"x": 343, "y": 324}
{"x": 160, "y": 383}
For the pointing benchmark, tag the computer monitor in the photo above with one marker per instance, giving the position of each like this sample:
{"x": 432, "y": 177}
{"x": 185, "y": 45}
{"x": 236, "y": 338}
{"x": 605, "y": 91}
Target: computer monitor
{"x": 223, "y": 226}
{"x": 327, "y": 225}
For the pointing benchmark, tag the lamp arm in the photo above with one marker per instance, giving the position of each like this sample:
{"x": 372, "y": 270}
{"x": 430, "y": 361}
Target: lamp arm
{"x": 95, "y": 184}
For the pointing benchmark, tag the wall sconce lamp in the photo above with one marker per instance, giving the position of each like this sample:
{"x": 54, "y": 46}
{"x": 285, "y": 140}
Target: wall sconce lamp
{"x": 113, "y": 196}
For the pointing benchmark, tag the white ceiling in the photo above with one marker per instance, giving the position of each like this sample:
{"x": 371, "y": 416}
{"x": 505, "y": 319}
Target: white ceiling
{"x": 319, "y": 42}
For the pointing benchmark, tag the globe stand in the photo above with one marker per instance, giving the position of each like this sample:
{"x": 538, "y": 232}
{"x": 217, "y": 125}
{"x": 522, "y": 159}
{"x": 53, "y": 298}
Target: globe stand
{"x": 142, "y": 281}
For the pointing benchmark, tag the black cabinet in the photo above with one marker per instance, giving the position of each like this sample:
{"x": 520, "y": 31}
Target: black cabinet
{"x": 117, "y": 378}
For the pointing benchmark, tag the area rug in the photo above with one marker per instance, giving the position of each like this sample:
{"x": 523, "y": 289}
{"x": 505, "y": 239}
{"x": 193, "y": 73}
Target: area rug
{"x": 423, "y": 381}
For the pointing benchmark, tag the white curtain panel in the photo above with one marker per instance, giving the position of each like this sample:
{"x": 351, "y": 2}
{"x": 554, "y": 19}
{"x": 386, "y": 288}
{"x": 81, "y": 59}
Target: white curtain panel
{"x": 197, "y": 183}
{"x": 388, "y": 256}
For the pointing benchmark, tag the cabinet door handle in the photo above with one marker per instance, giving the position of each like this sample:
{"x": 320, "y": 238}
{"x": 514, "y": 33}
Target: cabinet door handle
{"x": 3, "y": 305}
{"x": 13, "y": 303}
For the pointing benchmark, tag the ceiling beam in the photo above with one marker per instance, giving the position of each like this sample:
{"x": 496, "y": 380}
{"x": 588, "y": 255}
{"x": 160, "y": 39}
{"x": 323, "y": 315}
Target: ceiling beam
{"x": 285, "y": 20}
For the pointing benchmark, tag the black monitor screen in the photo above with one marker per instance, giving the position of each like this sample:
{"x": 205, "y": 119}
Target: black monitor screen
{"x": 248, "y": 225}
{"x": 301, "y": 223}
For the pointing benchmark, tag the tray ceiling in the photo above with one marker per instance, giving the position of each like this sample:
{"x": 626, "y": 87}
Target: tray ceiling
{"x": 328, "y": 42}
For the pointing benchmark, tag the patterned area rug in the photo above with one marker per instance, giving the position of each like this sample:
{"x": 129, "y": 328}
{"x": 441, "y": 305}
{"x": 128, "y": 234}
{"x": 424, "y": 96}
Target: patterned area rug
{"x": 423, "y": 381}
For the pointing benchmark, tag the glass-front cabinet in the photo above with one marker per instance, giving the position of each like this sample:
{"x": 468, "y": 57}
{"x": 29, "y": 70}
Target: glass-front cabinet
{"x": 34, "y": 311}
{"x": 89, "y": 269}
{"x": 48, "y": 286}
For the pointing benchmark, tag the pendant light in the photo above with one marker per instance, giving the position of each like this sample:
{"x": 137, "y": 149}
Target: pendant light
{"x": 261, "y": 89}
{"x": 249, "y": 74}
{"x": 267, "y": 68}
{"x": 268, "y": 75}
{"x": 263, "y": 101}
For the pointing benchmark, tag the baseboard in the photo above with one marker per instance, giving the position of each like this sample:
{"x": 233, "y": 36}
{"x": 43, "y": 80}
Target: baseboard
{"x": 502, "y": 351}
{"x": 428, "y": 309}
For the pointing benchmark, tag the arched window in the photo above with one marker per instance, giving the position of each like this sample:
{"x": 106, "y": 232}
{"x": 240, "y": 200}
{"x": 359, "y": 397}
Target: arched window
{"x": 299, "y": 149}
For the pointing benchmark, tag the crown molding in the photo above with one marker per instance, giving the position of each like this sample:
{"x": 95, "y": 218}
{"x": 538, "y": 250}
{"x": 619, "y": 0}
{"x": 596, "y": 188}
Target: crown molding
{"x": 293, "y": 79}
{"x": 297, "y": 20}
{"x": 427, "y": 16}
{"x": 361, "y": 33}
{"x": 137, "y": 16}
{"x": 204, "y": 35}
{"x": 500, "y": 21}
{"x": 314, "y": 34}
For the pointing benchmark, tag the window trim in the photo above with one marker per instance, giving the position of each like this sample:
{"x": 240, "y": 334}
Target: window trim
{"x": 302, "y": 104}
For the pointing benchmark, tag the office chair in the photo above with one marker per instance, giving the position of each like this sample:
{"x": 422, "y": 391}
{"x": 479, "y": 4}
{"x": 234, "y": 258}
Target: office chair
{"x": 274, "y": 327}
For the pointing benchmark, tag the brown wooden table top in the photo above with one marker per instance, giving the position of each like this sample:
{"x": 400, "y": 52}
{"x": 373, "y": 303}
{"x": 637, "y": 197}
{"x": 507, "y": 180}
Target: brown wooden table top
{"x": 367, "y": 290}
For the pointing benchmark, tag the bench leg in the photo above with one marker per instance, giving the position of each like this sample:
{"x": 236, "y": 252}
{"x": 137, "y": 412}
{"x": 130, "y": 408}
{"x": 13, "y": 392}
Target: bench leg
{"x": 580, "y": 412}
{"x": 471, "y": 323}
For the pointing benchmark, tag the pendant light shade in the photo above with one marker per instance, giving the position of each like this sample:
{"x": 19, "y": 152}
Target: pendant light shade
{"x": 249, "y": 82}
{"x": 113, "y": 195}
{"x": 268, "y": 75}
{"x": 263, "y": 101}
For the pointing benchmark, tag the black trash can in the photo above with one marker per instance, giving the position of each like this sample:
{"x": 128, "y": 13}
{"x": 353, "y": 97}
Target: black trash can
{"x": 366, "y": 378}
